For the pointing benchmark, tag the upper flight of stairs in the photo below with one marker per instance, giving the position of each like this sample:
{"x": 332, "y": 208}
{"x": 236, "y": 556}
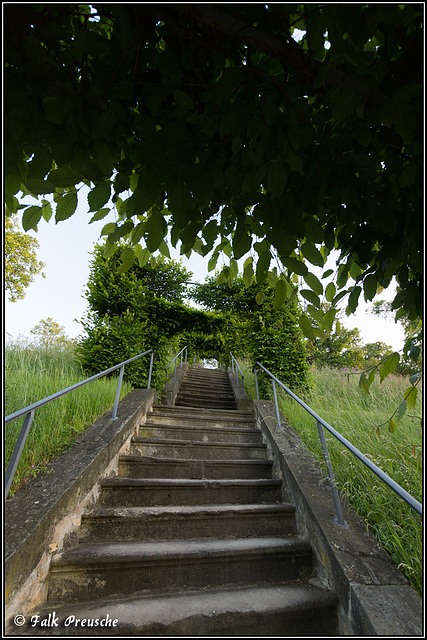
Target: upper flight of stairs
{"x": 193, "y": 536}
{"x": 208, "y": 388}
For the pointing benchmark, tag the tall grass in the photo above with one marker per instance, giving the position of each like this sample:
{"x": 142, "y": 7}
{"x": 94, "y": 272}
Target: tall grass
{"x": 336, "y": 397}
{"x": 32, "y": 374}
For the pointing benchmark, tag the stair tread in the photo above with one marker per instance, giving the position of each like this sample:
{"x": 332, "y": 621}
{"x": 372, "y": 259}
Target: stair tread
{"x": 87, "y": 554}
{"x": 183, "y": 482}
{"x": 140, "y": 512}
{"x": 208, "y": 428}
{"x": 138, "y": 459}
{"x": 177, "y": 441}
{"x": 168, "y": 607}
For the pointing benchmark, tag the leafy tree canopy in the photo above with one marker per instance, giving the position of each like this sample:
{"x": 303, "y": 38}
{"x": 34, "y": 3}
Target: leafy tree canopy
{"x": 211, "y": 126}
{"x": 49, "y": 334}
{"x": 20, "y": 264}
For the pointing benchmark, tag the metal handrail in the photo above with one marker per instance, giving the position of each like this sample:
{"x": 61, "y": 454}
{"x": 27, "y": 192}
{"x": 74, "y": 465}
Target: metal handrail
{"x": 410, "y": 500}
{"x": 182, "y": 356}
{"x": 235, "y": 367}
{"x": 29, "y": 411}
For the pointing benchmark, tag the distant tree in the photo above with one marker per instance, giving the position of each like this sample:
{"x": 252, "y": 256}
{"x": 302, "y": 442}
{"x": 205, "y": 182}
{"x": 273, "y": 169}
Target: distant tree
{"x": 375, "y": 352}
{"x": 135, "y": 310}
{"x": 49, "y": 334}
{"x": 20, "y": 264}
{"x": 337, "y": 347}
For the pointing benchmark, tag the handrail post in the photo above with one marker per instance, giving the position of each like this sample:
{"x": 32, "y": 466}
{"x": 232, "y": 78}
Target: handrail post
{"x": 279, "y": 424}
{"x": 119, "y": 386}
{"x": 339, "y": 520}
{"x": 151, "y": 369}
{"x": 256, "y": 383}
{"x": 16, "y": 455}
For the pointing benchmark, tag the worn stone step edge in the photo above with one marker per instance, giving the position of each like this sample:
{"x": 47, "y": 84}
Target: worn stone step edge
{"x": 205, "y": 429}
{"x": 153, "y": 460}
{"x": 109, "y": 483}
{"x": 198, "y": 443}
{"x": 281, "y": 610}
{"x": 198, "y": 411}
{"x": 187, "y": 522}
{"x": 131, "y": 553}
{"x": 189, "y": 511}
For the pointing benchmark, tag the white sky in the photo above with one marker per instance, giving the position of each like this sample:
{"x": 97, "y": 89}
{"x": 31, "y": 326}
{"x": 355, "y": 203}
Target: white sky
{"x": 65, "y": 249}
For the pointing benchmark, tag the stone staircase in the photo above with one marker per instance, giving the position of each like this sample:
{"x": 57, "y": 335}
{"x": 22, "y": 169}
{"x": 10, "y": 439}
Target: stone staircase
{"x": 209, "y": 388}
{"x": 192, "y": 537}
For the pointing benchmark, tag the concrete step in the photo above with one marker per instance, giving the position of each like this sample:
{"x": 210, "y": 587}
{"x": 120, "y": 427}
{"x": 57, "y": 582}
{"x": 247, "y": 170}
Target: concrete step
{"x": 280, "y": 610}
{"x": 148, "y": 492}
{"x": 159, "y": 448}
{"x": 192, "y": 416}
{"x": 151, "y": 467}
{"x": 203, "y": 434}
{"x": 109, "y": 524}
{"x": 90, "y": 571}
{"x": 206, "y": 402}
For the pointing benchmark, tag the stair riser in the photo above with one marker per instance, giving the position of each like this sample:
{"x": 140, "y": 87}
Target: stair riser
{"x": 209, "y": 420}
{"x": 206, "y": 403}
{"x": 197, "y": 433}
{"x": 74, "y": 584}
{"x": 169, "y": 495}
{"x": 161, "y": 527}
{"x": 198, "y": 451}
{"x": 194, "y": 469}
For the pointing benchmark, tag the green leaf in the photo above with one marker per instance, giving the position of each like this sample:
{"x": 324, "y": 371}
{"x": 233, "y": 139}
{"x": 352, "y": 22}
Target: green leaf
{"x": 31, "y": 217}
{"x": 127, "y": 258}
{"x": 164, "y": 250}
{"x": 46, "y": 210}
{"x": 311, "y": 297}
{"x": 12, "y": 184}
{"x": 330, "y": 292}
{"x": 306, "y": 326}
{"x": 99, "y": 215}
{"x": 260, "y": 297}
{"x": 295, "y": 266}
{"x": 37, "y": 187}
{"x": 155, "y": 230}
{"x": 312, "y": 254}
{"x": 294, "y": 162}
{"x": 103, "y": 158}
{"x": 277, "y": 178}
{"x": 365, "y": 382}
{"x": 410, "y": 396}
{"x": 413, "y": 379}
{"x": 353, "y": 300}
{"x": 183, "y": 100}
{"x": 144, "y": 257}
{"x": 314, "y": 283}
{"x": 212, "y": 262}
{"x": 99, "y": 196}
{"x": 66, "y": 206}
{"x": 392, "y": 425}
{"x": 64, "y": 177}
{"x": 389, "y": 365}
{"x": 53, "y": 109}
{"x": 401, "y": 410}
{"x": 109, "y": 249}
{"x": 262, "y": 266}
{"x": 248, "y": 273}
{"x": 327, "y": 273}
{"x": 109, "y": 228}
{"x": 370, "y": 286}
{"x": 281, "y": 293}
